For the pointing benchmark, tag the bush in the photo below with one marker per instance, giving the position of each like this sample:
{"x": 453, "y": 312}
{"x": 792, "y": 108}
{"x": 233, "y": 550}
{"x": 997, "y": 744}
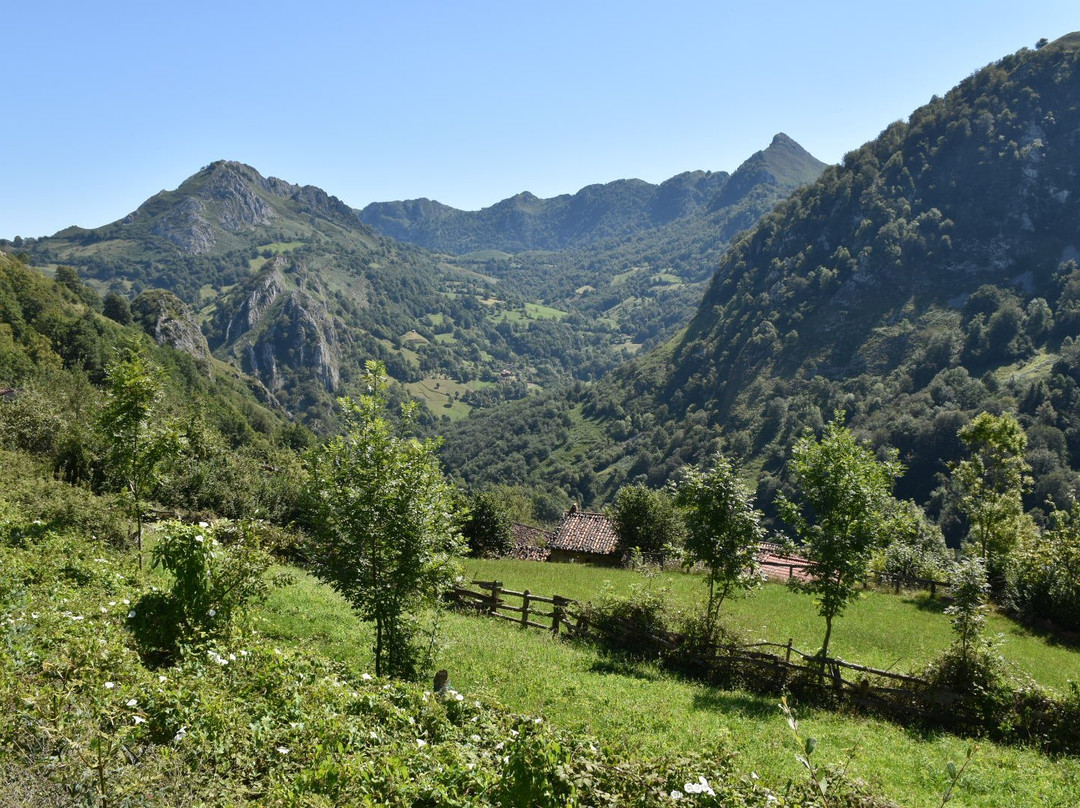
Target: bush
{"x": 633, "y": 626}
{"x": 211, "y": 585}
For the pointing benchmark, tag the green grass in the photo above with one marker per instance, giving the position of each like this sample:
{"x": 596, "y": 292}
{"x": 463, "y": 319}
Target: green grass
{"x": 437, "y": 398}
{"x": 279, "y": 247}
{"x": 646, "y": 712}
{"x": 900, "y": 633}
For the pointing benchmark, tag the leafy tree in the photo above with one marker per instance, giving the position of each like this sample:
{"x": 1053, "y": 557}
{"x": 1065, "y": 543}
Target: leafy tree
{"x": 1044, "y": 573}
{"x": 723, "y": 529}
{"x": 131, "y": 421}
{"x": 487, "y": 527}
{"x": 646, "y": 518}
{"x": 385, "y": 533}
{"x": 969, "y": 591}
{"x": 116, "y": 307}
{"x": 990, "y": 487}
{"x": 846, "y": 498}
{"x": 916, "y": 547}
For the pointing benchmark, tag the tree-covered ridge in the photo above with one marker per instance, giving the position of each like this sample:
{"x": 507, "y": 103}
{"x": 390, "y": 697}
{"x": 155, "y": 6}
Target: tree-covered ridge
{"x": 597, "y": 213}
{"x": 927, "y": 278}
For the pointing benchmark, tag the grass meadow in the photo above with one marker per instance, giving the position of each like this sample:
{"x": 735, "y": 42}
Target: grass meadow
{"x": 645, "y": 711}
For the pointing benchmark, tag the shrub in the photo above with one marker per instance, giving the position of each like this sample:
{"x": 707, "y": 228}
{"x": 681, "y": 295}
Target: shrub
{"x": 211, "y": 585}
{"x": 633, "y": 626}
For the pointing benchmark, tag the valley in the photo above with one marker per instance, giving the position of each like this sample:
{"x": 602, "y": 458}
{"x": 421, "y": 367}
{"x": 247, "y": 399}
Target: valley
{"x": 325, "y": 417}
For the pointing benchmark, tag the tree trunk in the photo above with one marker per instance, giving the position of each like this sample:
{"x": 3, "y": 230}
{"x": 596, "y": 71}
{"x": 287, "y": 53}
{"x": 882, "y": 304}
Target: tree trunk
{"x": 378, "y": 645}
{"x": 828, "y": 634}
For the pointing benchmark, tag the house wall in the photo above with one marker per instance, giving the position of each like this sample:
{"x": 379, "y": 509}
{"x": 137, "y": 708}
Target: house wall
{"x": 575, "y": 557}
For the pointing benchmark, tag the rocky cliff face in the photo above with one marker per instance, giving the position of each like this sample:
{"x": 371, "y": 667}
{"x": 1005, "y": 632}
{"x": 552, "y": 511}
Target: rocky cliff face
{"x": 278, "y": 331}
{"x": 169, "y": 321}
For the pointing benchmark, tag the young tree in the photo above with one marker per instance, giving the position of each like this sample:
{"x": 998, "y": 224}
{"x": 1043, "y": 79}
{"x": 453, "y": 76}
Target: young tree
{"x": 846, "y": 501}
{"x": 723, "y": 530}
{"x": 487, "y": 527}
{"x": 646, "y": 518}
{"x": 137, "y": 439}
{"x": 991, "y": 484}
{"x": 385, "y": 534}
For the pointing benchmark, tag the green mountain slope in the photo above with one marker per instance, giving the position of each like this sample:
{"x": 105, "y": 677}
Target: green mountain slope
{"x": 597, "y": 213}
{"x": 292, "y": 288}
{"x": 928, "y": 277}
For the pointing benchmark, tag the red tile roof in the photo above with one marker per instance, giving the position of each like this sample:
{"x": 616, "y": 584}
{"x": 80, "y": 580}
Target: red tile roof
{"x": 779, "y": 566}
{"x": 530, "y": 543}
{"x": 586, "y": 533}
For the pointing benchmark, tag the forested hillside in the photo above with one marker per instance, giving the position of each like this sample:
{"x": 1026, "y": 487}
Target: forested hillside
{"x": 600, "y": 214}
{"x": 930, "y": 276}
{"x": 289, "y": 286}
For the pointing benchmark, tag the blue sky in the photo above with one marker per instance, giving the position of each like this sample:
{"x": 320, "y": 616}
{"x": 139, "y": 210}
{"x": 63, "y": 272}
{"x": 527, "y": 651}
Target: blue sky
{"x": 464, "y": 102}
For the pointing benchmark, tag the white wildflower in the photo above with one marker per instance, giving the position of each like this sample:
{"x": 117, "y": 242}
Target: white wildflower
{"x": 138, "y": 719}
{"x": 283, "y": 750}
{"x": 131, "y": 615}
{"x": 204, "y": 524}
{"x": 421, "y": 743}
{"x": 676, "y": 794}
{"x": 161, "y": 677}
{"x": 110, "y": 685}
{"x": 367, "y": 677}
{"x": 179, "y": 736}
{"x": 132, "y": 703}
{"x": 474, "y": 738}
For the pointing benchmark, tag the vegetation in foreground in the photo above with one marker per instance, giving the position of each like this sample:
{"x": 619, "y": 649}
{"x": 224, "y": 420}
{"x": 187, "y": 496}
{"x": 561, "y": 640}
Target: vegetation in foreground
{"x": 647, "y": 713}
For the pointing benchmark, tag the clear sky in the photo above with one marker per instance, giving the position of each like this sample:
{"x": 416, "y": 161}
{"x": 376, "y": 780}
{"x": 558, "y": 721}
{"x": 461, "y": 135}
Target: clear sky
{"x": 464, "y": 102}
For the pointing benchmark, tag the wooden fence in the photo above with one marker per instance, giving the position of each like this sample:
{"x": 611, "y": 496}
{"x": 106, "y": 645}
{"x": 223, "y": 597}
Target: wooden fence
{"x": 492, "y": 600}
{"x": 764, "y": 666}
{"x": 773, "y": 668}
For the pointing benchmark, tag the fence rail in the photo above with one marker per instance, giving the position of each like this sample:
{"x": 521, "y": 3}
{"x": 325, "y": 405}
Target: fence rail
{"x": 563, "y": 616}
{"x": 768, "y": 665}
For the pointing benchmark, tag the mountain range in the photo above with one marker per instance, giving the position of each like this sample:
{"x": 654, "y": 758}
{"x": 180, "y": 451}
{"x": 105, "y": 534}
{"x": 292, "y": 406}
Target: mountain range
{"x": 290, "y": 285}
{"x": 931, "y": 275}
{"x": 597, "y": 213}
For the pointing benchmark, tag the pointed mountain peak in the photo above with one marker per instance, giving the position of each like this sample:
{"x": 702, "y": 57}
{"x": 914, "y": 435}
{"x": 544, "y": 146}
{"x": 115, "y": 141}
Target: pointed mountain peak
{"x": 784, "y": 163}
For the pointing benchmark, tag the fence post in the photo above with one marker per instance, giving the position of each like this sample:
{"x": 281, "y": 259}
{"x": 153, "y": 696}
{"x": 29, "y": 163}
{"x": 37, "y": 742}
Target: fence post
{"x": 557, "y": 613}
{"x": 787, "y": 656}
{"x": 525, "y": 608}
{"x": 496, "y": 590}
